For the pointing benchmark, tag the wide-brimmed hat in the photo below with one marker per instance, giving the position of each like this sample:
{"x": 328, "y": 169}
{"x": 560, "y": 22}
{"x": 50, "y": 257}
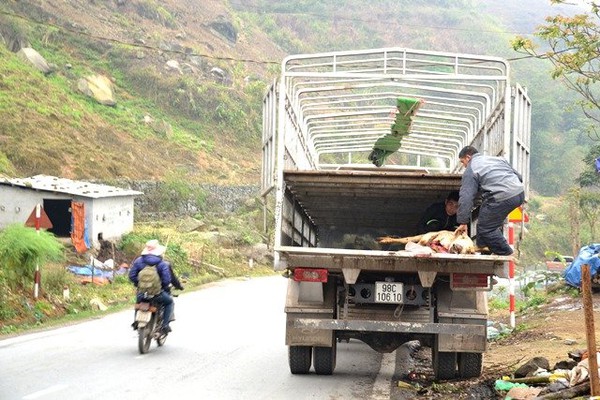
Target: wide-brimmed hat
{"x": 154, "y": 247}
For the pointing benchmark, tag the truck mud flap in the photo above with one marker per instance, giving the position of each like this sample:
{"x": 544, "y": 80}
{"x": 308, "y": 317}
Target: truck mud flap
{"x": 308, "y": 335}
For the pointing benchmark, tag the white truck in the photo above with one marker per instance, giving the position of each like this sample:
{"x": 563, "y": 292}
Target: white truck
{"x": 322, "y": 120}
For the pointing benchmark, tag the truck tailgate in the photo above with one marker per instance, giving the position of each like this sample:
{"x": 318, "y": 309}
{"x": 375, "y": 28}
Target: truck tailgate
{"x": 335, "y": 260}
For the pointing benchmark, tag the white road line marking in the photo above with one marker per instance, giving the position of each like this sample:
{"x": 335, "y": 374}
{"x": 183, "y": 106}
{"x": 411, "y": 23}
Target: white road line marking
{"x": 382, "y": 385}
{"x": 44, "y": 392}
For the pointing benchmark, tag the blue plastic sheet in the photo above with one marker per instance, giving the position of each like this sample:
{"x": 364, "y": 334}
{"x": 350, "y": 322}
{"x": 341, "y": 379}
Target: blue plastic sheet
{"x": 587, "y": 255}
{"x": 86, "y": 270}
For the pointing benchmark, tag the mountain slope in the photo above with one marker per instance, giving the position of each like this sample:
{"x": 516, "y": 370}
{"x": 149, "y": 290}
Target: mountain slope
{"x": 165, "y": 121}
{"x": 189, "y": 78}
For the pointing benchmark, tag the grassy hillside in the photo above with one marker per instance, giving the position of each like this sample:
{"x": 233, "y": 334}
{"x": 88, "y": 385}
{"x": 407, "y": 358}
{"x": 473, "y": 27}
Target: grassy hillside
{"x": 203, "y": 120}
{"x": 195, "y": 123}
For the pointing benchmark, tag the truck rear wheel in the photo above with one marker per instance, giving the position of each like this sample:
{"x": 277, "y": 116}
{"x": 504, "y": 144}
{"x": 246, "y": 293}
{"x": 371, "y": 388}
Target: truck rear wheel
{"x": 300, "y": 359}
{"x": 444, "y": 363}
{"x": 444, "y": 366}
{"x": 324, "y": 359}
{"x": 470, "y": 365}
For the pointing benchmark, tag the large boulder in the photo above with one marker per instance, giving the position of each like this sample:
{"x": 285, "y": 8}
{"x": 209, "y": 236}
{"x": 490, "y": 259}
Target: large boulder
{"x": 173, "y": 65}
{"x": 225, "y": 28}
{"x": 35, "y": 58}
{"x": 532, "y": 366}
{"x": 98, "y": 87}
{"x": 259, "y": 252}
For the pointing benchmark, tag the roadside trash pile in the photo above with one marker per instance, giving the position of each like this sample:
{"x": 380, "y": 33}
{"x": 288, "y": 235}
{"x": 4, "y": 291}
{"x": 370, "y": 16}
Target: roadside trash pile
{"x": 536, "y": 380}
{"x": 533, "y": 380}
{"x": 497, "y": 329}
{"x": 97, "y": 272}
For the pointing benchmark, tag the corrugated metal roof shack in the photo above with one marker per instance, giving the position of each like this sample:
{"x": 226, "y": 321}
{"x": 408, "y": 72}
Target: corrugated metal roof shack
{"x": 104, "y": 212}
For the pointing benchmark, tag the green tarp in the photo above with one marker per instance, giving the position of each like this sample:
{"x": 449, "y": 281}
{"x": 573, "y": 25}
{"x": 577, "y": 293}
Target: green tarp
{"x": 390, "y": 143}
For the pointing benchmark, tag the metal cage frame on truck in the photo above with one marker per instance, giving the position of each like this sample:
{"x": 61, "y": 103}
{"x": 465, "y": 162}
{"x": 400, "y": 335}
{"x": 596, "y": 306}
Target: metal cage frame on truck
{"x": 341, "y": 102}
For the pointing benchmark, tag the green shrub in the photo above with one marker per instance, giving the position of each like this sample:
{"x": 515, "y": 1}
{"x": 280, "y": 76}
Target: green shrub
{"x": 121, "y": 280}
{"x": 42, "y": 308}
{"x": 498, "y": 303}
{"x": 54, "y": 280}
{"x": 6, "y": 166}
{"x": 6, "y": 329}
{"x": 536, "y": 300}
{"x": 6, "y": 311}
{"x": 176, "y": 192}
{"x": 132, "y": 243}
{"x": 150, "y": 9}
{"x": 21, "y": 249}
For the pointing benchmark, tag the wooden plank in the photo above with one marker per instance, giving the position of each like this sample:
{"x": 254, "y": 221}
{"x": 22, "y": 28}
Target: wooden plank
{"x": 590, "y": 332}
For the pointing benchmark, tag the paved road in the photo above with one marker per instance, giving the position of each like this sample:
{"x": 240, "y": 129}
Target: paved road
{"x": 227, "y": 343}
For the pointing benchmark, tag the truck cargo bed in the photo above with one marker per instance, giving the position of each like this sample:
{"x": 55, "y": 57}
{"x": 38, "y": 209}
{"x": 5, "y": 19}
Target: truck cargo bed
{"x": 386, "y": 200}
{"x": 335, "y": 206}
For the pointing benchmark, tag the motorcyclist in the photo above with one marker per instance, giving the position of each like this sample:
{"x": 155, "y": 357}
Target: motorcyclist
{"x": 152, "y": 254}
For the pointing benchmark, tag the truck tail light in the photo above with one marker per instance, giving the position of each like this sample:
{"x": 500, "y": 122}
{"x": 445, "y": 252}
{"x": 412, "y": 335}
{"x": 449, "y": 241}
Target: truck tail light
{"x": 463, "y": 281}
{"x": 310, "y": 275}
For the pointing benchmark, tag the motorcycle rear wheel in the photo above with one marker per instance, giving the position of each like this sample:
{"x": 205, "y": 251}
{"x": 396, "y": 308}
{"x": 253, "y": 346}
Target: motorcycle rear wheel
{"x": 145, "y": 336}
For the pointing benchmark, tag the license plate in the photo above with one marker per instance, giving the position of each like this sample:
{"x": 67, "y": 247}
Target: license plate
{"x": 143, "y": 316}
{"x": 388, "y": 292}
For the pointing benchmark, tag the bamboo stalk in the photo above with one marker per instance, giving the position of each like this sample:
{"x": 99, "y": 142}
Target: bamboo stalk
{"x": 577, "y": 390}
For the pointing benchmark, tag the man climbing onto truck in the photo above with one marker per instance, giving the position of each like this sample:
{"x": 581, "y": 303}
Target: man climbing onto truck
{"x": 502, "y": 191}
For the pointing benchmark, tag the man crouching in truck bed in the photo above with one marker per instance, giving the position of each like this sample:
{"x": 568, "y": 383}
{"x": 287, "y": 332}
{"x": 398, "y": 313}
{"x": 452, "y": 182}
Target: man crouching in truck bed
{"x": 440, "y": 216}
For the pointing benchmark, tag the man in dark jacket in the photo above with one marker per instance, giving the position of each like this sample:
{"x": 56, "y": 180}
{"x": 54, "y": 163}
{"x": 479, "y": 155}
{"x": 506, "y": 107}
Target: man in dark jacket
{"x": 502, "y": 191}
{"x": 440, "y": 216}
{"x": 152, "y": 254}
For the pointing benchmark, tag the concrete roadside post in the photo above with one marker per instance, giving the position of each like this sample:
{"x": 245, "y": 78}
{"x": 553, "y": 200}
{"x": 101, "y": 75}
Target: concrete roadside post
{"x": 511, "y": 275}
{"x": 516, "y": 215}
{"x": 37, "y": 276}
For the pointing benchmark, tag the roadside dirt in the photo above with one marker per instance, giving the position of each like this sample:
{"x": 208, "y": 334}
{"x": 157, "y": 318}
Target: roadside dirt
{"x": 551, "y": 330}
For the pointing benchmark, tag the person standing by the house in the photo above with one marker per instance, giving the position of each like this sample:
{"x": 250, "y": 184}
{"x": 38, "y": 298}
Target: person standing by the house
{"x": 502, "y": 191}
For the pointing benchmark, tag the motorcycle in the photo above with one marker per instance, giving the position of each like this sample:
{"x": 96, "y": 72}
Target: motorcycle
{"x": 148, "y": 319}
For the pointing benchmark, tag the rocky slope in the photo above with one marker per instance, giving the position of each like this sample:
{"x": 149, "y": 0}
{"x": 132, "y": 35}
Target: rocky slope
{"x": 188, "y": 76}
{"x": 182, "y": 107}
